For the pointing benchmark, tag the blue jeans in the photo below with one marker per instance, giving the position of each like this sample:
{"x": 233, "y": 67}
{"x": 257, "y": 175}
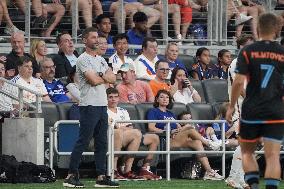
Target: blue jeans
{"x": 93, "y": 123}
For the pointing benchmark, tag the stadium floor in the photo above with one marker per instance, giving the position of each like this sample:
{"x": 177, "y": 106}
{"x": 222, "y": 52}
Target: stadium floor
{"x": 175, "y": 183}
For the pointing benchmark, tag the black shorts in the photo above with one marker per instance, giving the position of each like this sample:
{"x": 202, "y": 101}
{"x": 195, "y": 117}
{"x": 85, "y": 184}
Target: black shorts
{"x": 252, "y": 132}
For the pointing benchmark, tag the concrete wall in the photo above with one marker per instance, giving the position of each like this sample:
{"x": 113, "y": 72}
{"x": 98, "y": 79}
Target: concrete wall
{"x": 24, "y": 138}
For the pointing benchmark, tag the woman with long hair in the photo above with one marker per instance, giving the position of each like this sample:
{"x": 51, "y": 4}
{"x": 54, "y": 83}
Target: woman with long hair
{"x": 181, "y": 136}
{"x": 185, "y": 93}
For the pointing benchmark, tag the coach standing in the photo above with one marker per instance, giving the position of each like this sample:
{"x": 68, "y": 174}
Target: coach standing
{"x": 93, "y": 73}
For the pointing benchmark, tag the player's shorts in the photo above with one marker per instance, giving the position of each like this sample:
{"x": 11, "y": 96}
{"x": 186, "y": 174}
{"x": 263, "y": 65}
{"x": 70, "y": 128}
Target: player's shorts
{"x": 251, "y": 132}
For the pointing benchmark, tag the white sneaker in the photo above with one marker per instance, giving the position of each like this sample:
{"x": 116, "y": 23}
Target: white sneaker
{"x": 11, "y": 29}
{"x": 242, "y": 19}
{"x": 215, "y": 145}
{"x": 179, "y": 37}
{"x": 231, "y": 183}
{"x": 212, "y": 175}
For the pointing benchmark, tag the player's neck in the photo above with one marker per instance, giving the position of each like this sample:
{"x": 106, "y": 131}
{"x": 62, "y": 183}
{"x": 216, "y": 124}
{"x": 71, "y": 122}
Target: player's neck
{"x": 270, "y": 37}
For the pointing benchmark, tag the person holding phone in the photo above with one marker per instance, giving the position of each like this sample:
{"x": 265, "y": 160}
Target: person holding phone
{"x": 186, "y": 93}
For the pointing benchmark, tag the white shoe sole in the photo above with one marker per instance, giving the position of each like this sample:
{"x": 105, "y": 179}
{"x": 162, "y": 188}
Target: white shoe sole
{"x": 212, "y": 178}
{"x": 105, "y": 186}
{"x": 72, "y": 186}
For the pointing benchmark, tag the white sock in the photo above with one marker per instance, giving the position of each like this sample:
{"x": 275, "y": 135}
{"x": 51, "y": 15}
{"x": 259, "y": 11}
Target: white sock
{"x": 214, "y": 138}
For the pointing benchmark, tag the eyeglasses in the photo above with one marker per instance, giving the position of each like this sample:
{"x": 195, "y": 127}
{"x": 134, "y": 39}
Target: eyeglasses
{"x": 164, "y": 69}
{"x": 50, "y": 67}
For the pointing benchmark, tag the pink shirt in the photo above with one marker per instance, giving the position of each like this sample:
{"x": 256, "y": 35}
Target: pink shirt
{"x": 139, "y": 93}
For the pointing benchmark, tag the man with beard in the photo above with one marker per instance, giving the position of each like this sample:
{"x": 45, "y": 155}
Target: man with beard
{"x": 93, "y": 73}
{"x": 55, "y": 88}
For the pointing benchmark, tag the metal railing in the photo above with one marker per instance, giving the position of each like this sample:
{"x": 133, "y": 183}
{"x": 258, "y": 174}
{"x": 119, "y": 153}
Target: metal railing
{"x": 53, "y": 145}
{"x": 216, "y": 21}
{"x": 19, "y": 98}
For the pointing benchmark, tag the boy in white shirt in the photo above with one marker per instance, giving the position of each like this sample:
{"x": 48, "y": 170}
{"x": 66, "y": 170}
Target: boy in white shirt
{"x": 120, "y": 43}
{"x": 127, "y": 136}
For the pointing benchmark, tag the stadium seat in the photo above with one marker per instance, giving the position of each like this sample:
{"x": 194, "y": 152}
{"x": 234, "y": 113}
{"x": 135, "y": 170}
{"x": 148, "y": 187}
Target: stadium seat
{"x": 188, "y": 61}
{"x": 63, "y": 109}
{"x": 178, "y": 108}
{"x": 197, "y": 85}
{"x": 201, "y": 111}
{"x": 52, "y": 55}
{"x": 131, "y": 109}
{"x": 49, "y": 113}
{"x": 142, "y": 110}
{"x": 213, "y": 59}
{"x": 215, "y": 90}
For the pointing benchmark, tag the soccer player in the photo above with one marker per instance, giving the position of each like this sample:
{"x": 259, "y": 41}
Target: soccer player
{"x": 262, "y": 64}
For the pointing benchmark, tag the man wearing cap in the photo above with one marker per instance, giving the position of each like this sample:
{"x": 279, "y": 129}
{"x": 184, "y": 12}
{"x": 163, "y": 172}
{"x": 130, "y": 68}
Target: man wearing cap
{"x": 131, "y": 90}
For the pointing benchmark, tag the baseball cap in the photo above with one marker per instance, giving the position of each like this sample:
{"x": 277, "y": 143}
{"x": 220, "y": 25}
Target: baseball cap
{"x": 126, "y": 67}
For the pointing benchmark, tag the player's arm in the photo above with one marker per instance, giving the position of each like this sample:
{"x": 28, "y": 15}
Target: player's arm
{"x": 109, "y": 76}
{"x": 93, "y": 78}
{"x": 237, "y": 88}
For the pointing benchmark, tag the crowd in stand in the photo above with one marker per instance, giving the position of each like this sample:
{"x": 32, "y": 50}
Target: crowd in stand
{"x": 47, "y": 15}
{"x": 158, "y": 79}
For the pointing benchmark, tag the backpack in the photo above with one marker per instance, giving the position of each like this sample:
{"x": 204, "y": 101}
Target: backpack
{"x": 12, "y": 171}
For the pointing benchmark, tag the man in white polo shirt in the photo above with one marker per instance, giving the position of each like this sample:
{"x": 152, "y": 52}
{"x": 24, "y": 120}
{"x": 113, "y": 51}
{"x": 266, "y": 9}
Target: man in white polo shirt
{"x": 145, "y": 63}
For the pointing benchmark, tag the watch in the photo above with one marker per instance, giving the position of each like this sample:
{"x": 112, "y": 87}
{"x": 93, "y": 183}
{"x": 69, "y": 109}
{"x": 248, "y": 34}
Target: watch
{"x": 101, "y": 74}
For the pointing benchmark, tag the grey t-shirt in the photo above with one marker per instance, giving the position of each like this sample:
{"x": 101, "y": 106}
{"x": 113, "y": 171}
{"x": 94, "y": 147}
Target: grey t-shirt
{"x": 91, "y": 95}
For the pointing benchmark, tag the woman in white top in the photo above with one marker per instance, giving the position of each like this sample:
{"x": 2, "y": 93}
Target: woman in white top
{"x": 186, "y": 93}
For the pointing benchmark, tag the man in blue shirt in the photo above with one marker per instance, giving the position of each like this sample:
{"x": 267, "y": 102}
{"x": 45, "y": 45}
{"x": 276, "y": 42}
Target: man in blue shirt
{"x": 55, "y": 88}
{"x": 104, "y": 28}
{"x": 137, "y": 34}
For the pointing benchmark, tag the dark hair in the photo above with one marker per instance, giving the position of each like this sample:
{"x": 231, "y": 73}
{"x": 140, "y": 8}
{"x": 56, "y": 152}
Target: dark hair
{"x": 156, "y": 104}
{"x": 111, "y": 90}
{"x": 140, "y": 17}
{"x": 118, "y": 37}
{"x": 179, "y": 117}
{"x": 58, "y": 37}
{"x": 158, "y": 63}
{"x": 23, "y": 59}
{"x": 87, "y": 31}
{"x": 221, "y": 53}
{"x": 282, "y": 41}
{"x": 145, "y": 41}
{"x": 243, "y": 39}
{"x": 174, "y": 73}
{"x": 200, "y": 51}
{"x": 100, "y": 17}
{"x": 70, "y": 78}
